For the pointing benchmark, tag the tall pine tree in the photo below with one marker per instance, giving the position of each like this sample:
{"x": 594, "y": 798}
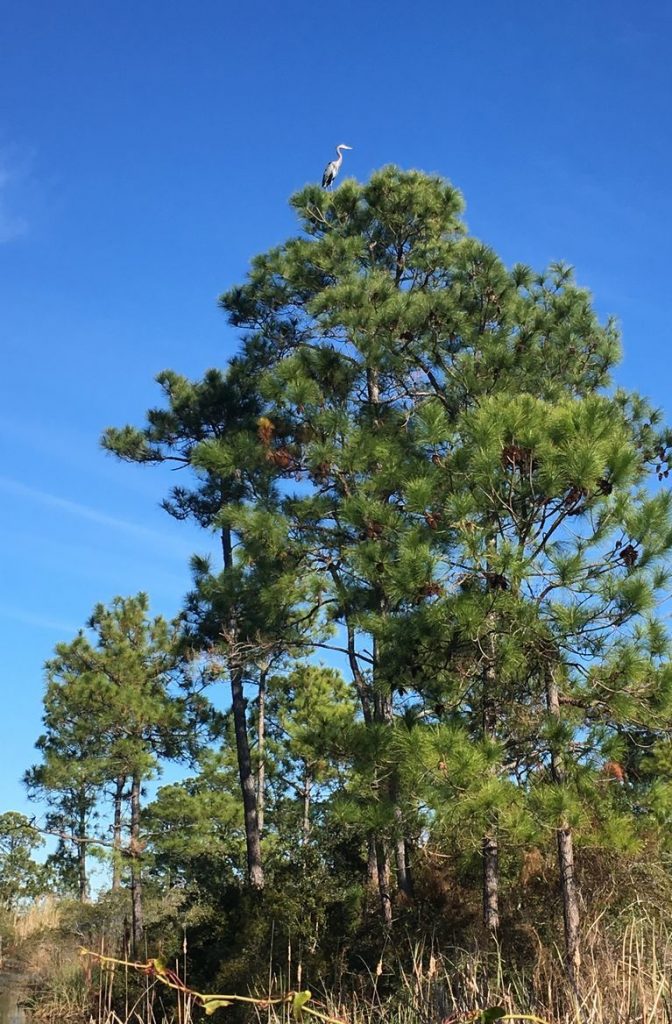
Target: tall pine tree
{"x": 432, "y": 466}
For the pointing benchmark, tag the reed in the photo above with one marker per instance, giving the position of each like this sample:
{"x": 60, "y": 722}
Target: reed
{"x": 626, "y": 977}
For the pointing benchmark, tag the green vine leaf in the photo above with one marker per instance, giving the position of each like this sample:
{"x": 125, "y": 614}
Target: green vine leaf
{"x": 299, "y": 1001}
{"x": 212, "y": 1003}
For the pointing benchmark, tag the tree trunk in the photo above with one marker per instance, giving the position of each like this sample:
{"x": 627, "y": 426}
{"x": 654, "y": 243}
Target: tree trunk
{"x": 116, "y": 834}
{"x": 383, "y": 863}
{"x": 137, "y": 926}
{"x": 361, "y": 685}
{"x": 570, "y": 896}
{"x": 371, "y": 864}
{"x": 373, "y": 386}
{"x": 570, "y": 901}
{"x": 307, "y": 787}
{"x": 248, "y": 787}
{"x": 261, "y": 740}
{"x": 383, "y": 712}
{"x": 490, "y": 842}
{"x": 404, "y": 884}
{"x": 255, "y": 871}
{"x": 83, "y": 882}
{"x": 490, "y": 882}
{"x": 376, "y": 708}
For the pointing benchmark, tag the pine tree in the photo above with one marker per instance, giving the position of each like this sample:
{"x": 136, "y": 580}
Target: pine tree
{"x": 433, "y": 466}
{"x": 21, "y": 878}
{"x": 244, "y": 615}
{"x": 355, "y": 349}
{"x": 112, "y": 715}
{"x": 311, "y": 713}
{"x": 72, "y": 770}
{"x": 196, "y": 825}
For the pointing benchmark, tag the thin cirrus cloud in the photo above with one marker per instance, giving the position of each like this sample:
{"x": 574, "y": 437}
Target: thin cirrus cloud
{"x": 75, "y": 508}
{"x": 25, "y": 618}
{"x": 12, "y": 224}
{"x": 70, "y": 446}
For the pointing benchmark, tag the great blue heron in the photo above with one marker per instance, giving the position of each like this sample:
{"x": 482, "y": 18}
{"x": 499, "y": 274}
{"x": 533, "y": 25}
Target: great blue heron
{"x": 333, "y": 167}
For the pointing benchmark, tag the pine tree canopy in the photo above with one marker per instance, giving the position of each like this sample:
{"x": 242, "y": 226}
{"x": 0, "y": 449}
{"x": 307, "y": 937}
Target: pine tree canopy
{"x": 418, "y": 460}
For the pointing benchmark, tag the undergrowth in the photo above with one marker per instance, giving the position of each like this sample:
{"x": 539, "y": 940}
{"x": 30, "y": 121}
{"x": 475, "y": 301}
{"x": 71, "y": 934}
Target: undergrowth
{"x": 625, "y": 977}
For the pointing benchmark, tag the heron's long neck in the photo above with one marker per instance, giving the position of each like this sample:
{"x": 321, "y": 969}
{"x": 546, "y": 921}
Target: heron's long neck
{"x": 339, "y": 158}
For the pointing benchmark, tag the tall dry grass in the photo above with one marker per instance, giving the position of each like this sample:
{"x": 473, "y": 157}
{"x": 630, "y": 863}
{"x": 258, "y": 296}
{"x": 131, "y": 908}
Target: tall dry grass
{"x": 79, "y": 993}
{"x": 626, "y": 978}
{"x": 42, "y": 916}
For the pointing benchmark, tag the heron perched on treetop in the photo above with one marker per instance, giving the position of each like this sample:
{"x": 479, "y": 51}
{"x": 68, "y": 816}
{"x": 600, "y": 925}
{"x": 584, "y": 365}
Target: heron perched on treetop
{"x": 333, "y": 167}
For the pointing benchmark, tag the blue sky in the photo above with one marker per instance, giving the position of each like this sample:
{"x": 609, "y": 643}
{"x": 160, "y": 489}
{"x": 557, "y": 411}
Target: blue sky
{"x": 147, "y": 151}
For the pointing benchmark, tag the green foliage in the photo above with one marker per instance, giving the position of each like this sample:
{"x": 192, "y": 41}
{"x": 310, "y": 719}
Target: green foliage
{"x": 110, "y": 715}
{"x": 22, "y": 879}
{"x": 416, "y": 461}
{"x": 196, "y": 824}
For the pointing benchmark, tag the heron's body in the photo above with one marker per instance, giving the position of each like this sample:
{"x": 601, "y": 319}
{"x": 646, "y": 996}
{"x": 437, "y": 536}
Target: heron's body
{"x": 333, "y": 167}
